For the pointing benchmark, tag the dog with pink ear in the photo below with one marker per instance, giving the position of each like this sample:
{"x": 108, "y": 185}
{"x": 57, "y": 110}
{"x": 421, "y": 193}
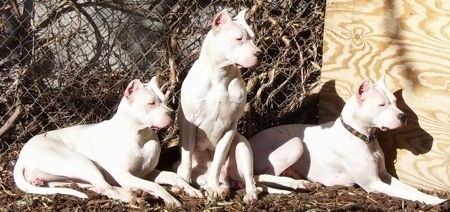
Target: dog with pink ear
{"x": 113, "y": 157}
{"x": 342, "y": 152}
{"x": 213, "y": 97}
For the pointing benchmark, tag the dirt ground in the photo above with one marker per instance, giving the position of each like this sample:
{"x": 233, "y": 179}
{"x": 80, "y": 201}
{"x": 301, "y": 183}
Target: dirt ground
{"x": 318, "y": 199}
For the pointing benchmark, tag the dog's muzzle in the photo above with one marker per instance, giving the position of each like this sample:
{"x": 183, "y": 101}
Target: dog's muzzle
{"x": 259, "y": 55}
{"x": 171, "y": 114}
{"x": 402, "y": 118}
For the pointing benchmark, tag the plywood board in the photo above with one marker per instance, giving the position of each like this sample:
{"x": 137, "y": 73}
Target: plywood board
{"x": 409, "y": 42}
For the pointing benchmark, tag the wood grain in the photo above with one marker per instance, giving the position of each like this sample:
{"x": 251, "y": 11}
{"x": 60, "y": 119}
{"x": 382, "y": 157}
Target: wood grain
{"x": 409, "y": 42}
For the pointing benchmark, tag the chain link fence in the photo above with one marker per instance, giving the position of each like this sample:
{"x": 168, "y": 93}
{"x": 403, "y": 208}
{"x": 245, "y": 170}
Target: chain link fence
{"x": 66, "y": 62}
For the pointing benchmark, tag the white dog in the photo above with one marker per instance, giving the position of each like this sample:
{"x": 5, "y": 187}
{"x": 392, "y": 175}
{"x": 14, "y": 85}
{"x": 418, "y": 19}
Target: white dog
{"x": 342, "y": 152}
{"x": 113, "y": 157}
{"x": 213, "y": 97}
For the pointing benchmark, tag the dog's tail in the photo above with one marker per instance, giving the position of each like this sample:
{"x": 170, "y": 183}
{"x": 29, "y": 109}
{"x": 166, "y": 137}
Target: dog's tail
{"x": 25, "y": 186}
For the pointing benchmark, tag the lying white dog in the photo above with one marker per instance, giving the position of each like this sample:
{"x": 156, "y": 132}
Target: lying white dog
{"x": 213, "y": 98}
{"x": 342, "y": 152}
{"x": 113, "y": 157}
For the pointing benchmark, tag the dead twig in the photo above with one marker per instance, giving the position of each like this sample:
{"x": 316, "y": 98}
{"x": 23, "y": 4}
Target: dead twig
{"x": 17, "y": 112}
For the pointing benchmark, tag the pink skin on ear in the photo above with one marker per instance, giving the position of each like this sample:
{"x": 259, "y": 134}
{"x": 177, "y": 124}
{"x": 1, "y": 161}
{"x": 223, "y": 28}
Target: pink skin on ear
{"x": 361, "y": 89}
{"x": 221, "y": 18}
{"x": 131, "y": 88}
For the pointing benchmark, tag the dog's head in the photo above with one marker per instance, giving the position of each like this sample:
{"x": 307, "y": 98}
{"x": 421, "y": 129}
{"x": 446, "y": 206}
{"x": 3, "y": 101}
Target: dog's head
{"x": 234, "y": 40}
{"x": 377, "y": 106}
{"x": 147, "y": 105}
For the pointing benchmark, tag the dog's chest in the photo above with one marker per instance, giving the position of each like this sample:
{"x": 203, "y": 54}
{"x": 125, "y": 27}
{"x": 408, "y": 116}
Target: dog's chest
{"x": 221, "y": 107}
{"x": 218, "y": 101}
{"x": 213, "y": 100}
{"x": 144, "y": 159}
{"x": 224, "y": 102}
{"x": 130, "y": 150}
{"x": 218, "y": 113}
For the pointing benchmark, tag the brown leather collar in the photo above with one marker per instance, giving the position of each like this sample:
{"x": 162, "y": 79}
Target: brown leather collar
{"x": 365, "y": 138}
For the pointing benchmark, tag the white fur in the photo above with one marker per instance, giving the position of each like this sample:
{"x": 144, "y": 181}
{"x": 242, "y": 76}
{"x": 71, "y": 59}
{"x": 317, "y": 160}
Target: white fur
{"x": 213, "y": 97}
{"x": 330, "y": 154}
{"x": 112, "y": 157}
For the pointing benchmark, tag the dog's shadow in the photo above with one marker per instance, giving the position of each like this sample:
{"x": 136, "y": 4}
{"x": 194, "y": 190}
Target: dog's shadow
{"x": 411, "y": 137}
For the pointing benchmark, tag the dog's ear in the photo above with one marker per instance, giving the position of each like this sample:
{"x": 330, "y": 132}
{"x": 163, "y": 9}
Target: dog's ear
{"x": 241, "y": 15}
{"x": 362, "y": 88}
{"x": 382, "y": 82}
{"x": 132, "y": 87}
{"x": 153, "y": 85}
{"x": 220, "y": 18}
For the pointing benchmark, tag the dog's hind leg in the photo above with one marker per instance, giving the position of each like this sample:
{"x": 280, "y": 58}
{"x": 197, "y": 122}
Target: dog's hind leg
{"x": 62, "y": 163}
{"x": 285, "y": 156}
{"x": 280, "y": 158}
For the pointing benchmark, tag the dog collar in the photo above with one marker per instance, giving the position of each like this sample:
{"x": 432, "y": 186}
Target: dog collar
{"x": 365, "y": 138}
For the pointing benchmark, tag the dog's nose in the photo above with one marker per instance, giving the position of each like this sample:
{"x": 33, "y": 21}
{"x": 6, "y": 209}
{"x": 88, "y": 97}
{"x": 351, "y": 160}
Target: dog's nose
{"x": 259, "y": 55}
{"x": 402, "y": 117}
{"x": 171, "y": 114}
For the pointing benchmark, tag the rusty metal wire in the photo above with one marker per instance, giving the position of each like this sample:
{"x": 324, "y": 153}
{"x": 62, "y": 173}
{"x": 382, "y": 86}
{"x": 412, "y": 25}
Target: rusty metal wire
{"x": 66, "y": 62}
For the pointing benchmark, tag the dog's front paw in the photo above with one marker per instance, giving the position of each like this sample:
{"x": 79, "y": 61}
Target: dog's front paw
{"x": 192, "y": 192}
{"x": 121, "y": 194}
{"x": 251, "y": 198}
{"x": 251, "y": 194}
{"x": 176, "y": 190}
{"x": 138, "y": 203}
{"x": 188, "y": 190}
{"x": 210, "y": 192}
{"x": 221, "y": 192}
{"x": 172, "y": 202}
{"x": 224, "y": 191}
{"x": 436, "y": 201}
{"x": 303, "y": 184}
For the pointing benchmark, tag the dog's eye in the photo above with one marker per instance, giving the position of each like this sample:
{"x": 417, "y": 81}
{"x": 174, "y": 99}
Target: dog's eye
{"x": 151, "y": 103}
{"x": 382, "y": 104}
{"x": 240, "y": 38}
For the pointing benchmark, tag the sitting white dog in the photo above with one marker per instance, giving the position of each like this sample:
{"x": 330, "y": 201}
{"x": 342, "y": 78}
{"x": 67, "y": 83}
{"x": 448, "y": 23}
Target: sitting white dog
{"x": 213, "y": 97}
